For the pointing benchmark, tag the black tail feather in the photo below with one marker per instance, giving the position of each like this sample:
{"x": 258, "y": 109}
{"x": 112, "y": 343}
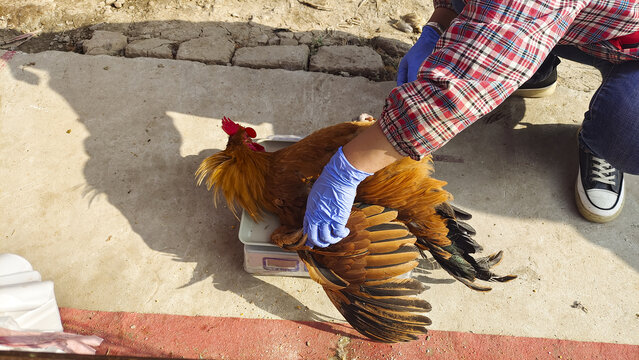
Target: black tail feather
{"x": 456, "y": 258}
{"x": 460, "y": 214}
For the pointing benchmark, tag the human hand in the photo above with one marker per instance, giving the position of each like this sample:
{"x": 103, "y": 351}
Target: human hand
{"x": 330, "y": 201}
{"x": 414, "y": 58}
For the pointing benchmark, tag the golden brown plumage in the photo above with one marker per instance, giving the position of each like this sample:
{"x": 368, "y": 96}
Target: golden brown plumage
{"x": 362, "y": 276}
{"x": 359, "y": 273}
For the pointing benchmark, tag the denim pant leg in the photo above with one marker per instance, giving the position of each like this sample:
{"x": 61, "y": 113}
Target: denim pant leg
{"x": 458, "y": 5}
{"x": 611, "y": 125}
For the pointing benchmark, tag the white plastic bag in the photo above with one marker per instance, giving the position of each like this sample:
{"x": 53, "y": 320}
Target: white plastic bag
{"x": 29, "y": 315}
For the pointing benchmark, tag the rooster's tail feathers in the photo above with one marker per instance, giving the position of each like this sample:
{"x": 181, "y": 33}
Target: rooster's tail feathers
{"x": 456, "y": 258}
{"x": 391, "y": 319}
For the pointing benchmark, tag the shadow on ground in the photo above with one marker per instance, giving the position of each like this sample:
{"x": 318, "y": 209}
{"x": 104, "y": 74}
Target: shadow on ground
{"x": 152, "y": 184}
{"x": 137, "y": 164}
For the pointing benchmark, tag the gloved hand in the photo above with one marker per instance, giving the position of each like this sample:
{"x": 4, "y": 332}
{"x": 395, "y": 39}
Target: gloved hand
{"x": 330, "y": 202}
{"x": 414, "y": 58}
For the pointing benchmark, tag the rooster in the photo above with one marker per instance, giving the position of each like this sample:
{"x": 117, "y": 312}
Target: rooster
{"x": 400, "y": 212}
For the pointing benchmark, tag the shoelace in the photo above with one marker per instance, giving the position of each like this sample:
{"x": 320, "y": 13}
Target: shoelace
{"x": 602, "y": 171}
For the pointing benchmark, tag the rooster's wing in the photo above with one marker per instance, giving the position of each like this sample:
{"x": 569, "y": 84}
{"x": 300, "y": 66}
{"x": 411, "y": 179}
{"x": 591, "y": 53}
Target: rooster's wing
{"x": 423, "y": 205}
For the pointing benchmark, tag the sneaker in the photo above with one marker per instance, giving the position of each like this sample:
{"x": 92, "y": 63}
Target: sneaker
{"x": 600, "y": 188}
{"x": 543, "y": 83}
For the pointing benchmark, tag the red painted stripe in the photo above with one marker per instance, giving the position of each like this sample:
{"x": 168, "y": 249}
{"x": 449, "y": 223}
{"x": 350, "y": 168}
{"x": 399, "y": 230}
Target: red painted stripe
{"x": 161, "y": 335}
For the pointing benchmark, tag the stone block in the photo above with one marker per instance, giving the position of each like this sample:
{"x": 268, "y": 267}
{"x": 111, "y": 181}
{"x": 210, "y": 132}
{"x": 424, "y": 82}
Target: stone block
{"x": 392, "y": 47}
{"x": 273, "y": 57}
{"x": 305, "y": 38}
{"x": 156, "y": 48}
{"x": 354, "y": 60}
{"x": 210, "y": 49}
{"x": 285, "y": 34}
{"x": 288, "y": 42}
{"x": 258, "y": 36}
{"x": 214, "y": 30}
{"x": 274, "y": 41}
{"x": 104, "y": 43}
{"x": 183, "y": 32}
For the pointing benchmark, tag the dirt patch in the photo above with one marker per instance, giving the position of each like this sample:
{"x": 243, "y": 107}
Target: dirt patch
{"x": 64, "y": 24}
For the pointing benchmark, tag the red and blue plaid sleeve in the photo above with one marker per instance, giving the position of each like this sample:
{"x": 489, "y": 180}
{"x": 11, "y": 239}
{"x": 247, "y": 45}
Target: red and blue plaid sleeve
{"x": 485, "y": 55}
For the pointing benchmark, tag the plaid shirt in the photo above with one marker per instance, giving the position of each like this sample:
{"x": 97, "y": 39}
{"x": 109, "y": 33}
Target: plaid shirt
{"x": 488, "y": 51}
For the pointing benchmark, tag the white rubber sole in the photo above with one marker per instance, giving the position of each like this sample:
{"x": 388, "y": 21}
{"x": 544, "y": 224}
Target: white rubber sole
{"x": 536, "y": 93}
{"x": 591, "y": 212}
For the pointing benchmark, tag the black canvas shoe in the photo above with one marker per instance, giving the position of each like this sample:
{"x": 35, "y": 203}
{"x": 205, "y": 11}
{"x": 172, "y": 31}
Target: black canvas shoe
{"x": 544, "y": 82}
{"x": 600, "y": 188}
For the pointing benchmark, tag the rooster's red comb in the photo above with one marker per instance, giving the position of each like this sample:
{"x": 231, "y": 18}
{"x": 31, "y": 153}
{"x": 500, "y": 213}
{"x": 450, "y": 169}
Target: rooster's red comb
{"x": 229, "y": 126}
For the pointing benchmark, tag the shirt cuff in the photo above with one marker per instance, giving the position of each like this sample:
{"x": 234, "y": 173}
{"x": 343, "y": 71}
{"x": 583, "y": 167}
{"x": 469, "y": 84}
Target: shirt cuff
{"x": 394, "y": 130}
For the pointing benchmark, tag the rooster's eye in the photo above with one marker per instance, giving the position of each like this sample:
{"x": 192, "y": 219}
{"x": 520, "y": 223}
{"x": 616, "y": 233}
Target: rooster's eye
{"x": 250, "y": 132}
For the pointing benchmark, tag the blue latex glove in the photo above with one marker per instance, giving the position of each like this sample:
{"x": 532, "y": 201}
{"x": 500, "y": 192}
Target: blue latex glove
{"x": 414, "y": 58}
{"x": 330, "y": 202}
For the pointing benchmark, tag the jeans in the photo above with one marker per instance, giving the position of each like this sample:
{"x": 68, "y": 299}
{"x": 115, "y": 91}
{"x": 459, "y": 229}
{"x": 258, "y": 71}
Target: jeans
{"x": 458, "y": 5}
{"x": 610, "y": 129}
{"x": 611, "y": 125}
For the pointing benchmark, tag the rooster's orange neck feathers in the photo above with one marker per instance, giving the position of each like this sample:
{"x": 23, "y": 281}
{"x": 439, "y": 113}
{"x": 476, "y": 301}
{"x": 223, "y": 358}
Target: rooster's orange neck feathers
{"x": 239, "y": 173}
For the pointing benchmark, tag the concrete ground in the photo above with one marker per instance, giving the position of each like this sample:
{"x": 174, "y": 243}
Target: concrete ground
{"x": 97, "y": 156}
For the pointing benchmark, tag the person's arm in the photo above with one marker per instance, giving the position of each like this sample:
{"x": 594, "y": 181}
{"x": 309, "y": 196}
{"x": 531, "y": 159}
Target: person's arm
{"x": 371, "y": 151}
{"x": 414, "y": 58}
{"x": 331, "y": 198}
{"x": 443, "y": 16}
{"x": 443, "y": 4}
{"x": 484, "y": 56}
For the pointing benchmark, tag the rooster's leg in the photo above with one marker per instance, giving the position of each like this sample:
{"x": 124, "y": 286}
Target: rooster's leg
{"x": 289, "y": 238}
